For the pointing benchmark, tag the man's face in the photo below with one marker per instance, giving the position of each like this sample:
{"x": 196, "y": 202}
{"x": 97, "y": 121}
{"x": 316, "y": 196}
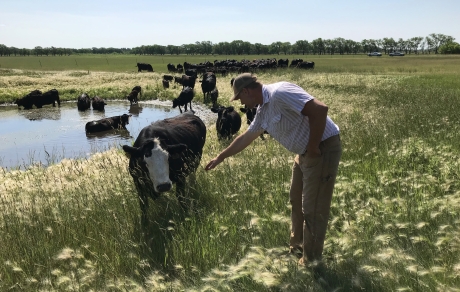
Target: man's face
{"x": 246, "y": 98}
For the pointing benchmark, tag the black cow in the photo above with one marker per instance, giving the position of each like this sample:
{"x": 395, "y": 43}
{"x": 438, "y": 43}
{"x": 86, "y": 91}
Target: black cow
{"x": 168, "y": 77}
{"x": 144, "y": 66}
{"x": 49, "y": 97}
{"x": 27, "y": 101}
{"x": 191, "y": 72}
{"x": 208, "y": 83}
{"x": 112, "y": 123}
{"x": 214, "y": 96}
{"x": 137, "y": 88}
{"x": 306, "y": 65}
{"x": 228, "y": 122}
{"x": 295, "y": 62}
{"x": 166, "y": 152}
{"x": 250, "y": 115}
{"x": 188, "y": 81}
{"x": 283, "y": 63}
{"x": 165, "y": 83}
{"x": 83, "y": 102}
{"x": 184, "y": 97}
{"x": 132, "y": 96}
{"x": 171, "y": 67}
{"x": 98, "y": 103}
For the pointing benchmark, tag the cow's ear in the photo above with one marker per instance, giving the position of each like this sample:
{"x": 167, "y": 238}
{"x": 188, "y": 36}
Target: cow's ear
{"x": 243, "y": 109}
{"x": 147, "y": 147}
{"x": 176, "y": 150}
{"x": 214, "y": 110}
{"x": 131, "y": 151}
{"x": 230, "y": 109}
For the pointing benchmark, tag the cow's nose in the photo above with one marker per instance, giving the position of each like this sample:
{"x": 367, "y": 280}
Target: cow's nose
{"x": 164, "y": 187}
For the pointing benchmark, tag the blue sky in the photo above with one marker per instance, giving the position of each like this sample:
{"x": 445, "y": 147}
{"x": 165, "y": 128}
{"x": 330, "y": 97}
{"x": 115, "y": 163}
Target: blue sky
{"x": 86, "y": 23}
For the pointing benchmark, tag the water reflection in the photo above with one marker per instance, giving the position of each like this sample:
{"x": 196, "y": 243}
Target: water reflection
{"x": 110, "y": 133}
{"x": 38, "y": 114}
{"x": 135, "y": 109}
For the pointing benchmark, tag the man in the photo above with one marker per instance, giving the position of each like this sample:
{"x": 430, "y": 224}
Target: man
{"x": 300, "y": 123}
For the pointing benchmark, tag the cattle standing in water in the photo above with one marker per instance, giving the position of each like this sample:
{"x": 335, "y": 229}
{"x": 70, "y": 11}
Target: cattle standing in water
{"x": 98, "y": 103}
{"x": 112, "y": 123}
{"x": 83, "y": 102}
{"x": 208, "y": 83}
{"x": 144, "y": 66}
{"x": 132, "y": 96}
{"x": 228, "y": 122}
{"x": 39, "y": 99}
{"x": 165, "y": 152}
{"x": 186, "y": 96}
{"x": 49, "y": 97}
{"x": 27, "y": 101}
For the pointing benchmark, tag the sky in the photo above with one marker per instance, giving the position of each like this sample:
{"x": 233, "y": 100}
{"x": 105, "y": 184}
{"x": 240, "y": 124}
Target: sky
{"x": 133, "y": 23}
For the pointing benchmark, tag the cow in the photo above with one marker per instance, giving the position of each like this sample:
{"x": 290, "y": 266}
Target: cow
{"x": 168, "y": 77}
{"x": 250, "y": 115}
{"x": 214, "y": 96}
{"x": 49, "y": 97}
{"x": 132, "y": 97}
{"x": 184, "y": 97}
{"x": 27, "y": 101}
{"x": 306, "y": 65}
{"x": 283, "y": 63}
{"x": 188, "y": 81}
{"x": 165, "y": 152}
{"x": 112, "y": 123}
{"x": 208, "y": 83}
{"x": 165, "y": 83}
{"x": 191, "y": 72}
{"x": 83, "y": 102}
{"x": 171, "y": 67}
{"x": 144, "y": 66}
{"x": 137, "y": 88}
{"x": 98, "y": 103}
{"x": 295, "y": 62}
{"x": 228, "y": 122}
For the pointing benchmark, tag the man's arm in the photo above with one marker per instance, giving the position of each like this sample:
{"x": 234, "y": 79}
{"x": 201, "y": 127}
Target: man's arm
{"x": 316, "y": 111}
{"x": 240, "y": 143}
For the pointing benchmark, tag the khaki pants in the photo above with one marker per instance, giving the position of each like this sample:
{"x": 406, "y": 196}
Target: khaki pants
{"x": 312, "y": 185}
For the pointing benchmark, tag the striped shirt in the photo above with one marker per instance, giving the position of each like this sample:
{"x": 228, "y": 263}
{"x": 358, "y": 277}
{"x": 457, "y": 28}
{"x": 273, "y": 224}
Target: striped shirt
{"x": 280, "y": 115}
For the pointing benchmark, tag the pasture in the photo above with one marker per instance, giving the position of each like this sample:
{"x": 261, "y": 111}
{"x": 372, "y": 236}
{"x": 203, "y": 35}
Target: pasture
{"x": 394, "y": 226}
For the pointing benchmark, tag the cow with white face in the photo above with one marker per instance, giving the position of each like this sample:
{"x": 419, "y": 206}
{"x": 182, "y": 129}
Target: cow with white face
{"x": 165, "y": 152}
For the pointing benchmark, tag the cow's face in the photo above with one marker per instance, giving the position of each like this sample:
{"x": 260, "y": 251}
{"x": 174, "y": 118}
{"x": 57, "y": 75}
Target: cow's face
{"x": 156, "y": 159}
{"x": 125, "y": 119}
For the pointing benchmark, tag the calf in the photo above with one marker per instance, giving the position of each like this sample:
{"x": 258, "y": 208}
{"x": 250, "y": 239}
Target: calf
{"x": 165, "y": 83}
{"x": 164, "y": 153}
{"x": 132, "y": 96}
{"x": 83, "y": 102}
{"x": 184, "y": 97}
{"x": 112, "y": 123}
{"x": 214, "y": 96}
{"x": 98, "y": 103}
{"x": 188, "y": 81}
{"x": 228, "y": 122}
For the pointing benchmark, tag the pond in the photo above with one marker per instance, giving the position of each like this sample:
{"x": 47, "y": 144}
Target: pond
{"x": 49, "y": 134}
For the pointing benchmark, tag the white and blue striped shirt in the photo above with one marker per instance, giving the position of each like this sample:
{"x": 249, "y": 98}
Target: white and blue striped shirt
{"x": 280, "y": 115}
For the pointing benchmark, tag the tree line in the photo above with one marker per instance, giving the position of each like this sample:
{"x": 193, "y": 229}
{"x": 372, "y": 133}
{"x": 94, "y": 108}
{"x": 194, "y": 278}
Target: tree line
{"x": 433, "y": 43}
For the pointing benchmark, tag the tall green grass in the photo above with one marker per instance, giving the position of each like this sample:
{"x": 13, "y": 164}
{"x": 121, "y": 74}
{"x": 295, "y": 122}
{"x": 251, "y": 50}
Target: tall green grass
{"x": 394, "y": 219}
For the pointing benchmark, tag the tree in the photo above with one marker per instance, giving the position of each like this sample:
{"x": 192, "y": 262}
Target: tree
{"x": 302, "y": 46}
{"x": 318, "y": 46}
{"x": 275, "y": 47}
{"x": 438, "y": 40}
{"x": 286, "y": 47}
{"x": 450, "y": 48}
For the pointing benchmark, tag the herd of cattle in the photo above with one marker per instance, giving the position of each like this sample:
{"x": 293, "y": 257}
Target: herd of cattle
{"x": 167, "y": 151}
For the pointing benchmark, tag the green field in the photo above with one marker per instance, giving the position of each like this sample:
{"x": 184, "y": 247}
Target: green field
{"x": 394, "y": 226}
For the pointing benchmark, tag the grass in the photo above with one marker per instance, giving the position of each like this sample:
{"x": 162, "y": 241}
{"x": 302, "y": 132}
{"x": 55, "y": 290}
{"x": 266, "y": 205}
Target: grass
{"x": 394, "y": 218}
